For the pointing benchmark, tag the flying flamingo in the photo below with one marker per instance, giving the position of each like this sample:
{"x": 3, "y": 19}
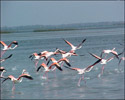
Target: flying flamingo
{"x": 19, "y": 79}
{"x": 8, "y": 47}
{"x": 103, "y": 61}
{"x": 2, "y": 60}
{"x": 55, "y": 62}
{"x": 47, "y": 69}
{"x": 48, "y": 54}
{"x": 74, "y": 48}
{"x": 67, "y": 54}
{"x": 83, "y": 71}
{"x": 2, "y": 70}
{"x": 110, "y": 51}
{"x": 36, "y": 57}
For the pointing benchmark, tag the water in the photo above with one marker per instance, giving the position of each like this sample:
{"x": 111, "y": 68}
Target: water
{"x": 64, "y": 85}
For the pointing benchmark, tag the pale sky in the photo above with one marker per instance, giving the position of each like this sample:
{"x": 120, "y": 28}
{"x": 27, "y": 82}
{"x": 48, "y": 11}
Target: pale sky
{"x": 18, "y": 13}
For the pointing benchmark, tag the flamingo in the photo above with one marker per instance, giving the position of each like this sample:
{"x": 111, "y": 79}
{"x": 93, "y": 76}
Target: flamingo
{"x": 67, "y": 54}
{"x": 83, "y": 71}
{"x": 74, "y": 48}
{"x": 19, "y": 79}
{"x": 36, "y": 57}
{"x": 48, "y": 54}
{"x": 110, "y": 51}
{"x": 47, "y": 69}
{"x": 8, "y": 47}
{"x": 55, "y": 62}
{"x": 103, "y": 61}
{"x": 2, "y": 60}
{"x": 2, "y": 70}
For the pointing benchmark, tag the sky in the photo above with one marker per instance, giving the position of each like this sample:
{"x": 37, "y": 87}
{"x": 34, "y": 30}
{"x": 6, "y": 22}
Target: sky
{"x": 21, "y": 13}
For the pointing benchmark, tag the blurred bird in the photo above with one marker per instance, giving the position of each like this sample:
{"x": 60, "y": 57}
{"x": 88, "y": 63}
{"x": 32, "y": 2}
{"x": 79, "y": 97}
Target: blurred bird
{"x": 19, "y": 79}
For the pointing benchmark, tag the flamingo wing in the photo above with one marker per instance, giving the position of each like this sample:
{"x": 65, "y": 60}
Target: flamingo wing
{"x": 109, "y": 59}
{"x": 69, "y": 43}
{"x": 115, "y": 53}
{"x": 3, "y": 43}
{"x": 8, "y": 56}
{"x": 57, "y": 65}
{"x": 95, "y": 56}
{"x": 38, "y": 68}
{"x": 72, "y": 68}
{"x": 89, "y": 67}
{"x": 15, "y": 43}
{"x": 25, "y": 76}
{"x": 6, "y": 79}
{"x": 81, "y": 43}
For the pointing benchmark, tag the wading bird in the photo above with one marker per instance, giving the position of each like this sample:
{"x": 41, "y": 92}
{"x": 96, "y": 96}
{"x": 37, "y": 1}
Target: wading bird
{"x": 48, "y": 54}
{"x": 60, "y": 61}
{"x": 103, "y": 61}
{"x": 8, "y": 47}
{"x": 74, "y": 48}
{"x": 19, "y": 79}
{"x": 83, "y": 71}
{"x": 110, "y": 51}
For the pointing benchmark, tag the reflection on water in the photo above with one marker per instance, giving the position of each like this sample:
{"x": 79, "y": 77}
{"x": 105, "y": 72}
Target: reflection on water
{"x": 63, "y": 85}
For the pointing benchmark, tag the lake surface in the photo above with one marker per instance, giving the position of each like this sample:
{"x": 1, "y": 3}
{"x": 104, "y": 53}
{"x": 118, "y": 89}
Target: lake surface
{"x": 64, "y": 86}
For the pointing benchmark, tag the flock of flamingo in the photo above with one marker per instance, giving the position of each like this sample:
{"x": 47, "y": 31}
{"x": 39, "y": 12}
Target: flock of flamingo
{"x": 48, "y": 57}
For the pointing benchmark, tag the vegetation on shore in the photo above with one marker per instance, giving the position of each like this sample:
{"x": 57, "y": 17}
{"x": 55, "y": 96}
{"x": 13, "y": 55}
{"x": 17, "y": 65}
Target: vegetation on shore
{"x": 47, "y": 30}
{"x": 5, "y": 32}
{"x": 63, "y": 27}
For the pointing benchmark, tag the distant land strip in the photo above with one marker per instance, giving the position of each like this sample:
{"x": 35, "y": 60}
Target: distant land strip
{"x": 63, "y": 27}
{"x": 47, "y": 30}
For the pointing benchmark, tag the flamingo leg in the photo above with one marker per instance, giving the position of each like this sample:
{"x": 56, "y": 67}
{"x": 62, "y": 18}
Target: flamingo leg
{"x": 83, "y": 78}
{"x": 36, "y": 62}
{"x": 13, "y": 86}
{"x": 101, "y": 71}
{"x": 45, "y": 75}
{"x": 55, "y": 73}
{"x": 2, "y": 53}
{"x": 105, "y": 56}
{"x": 79, "y": 81}
{"x": 62, "y": 64}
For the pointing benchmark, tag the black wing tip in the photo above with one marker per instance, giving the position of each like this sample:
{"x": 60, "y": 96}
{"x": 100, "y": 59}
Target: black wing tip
{"x": 10, "y": 55}
{"x": 4, "y": 80}
{"x": 38, "y": 68}
{"x": 60, "y": 68}
{"x": 84, "y": 39}
{"x": 31, "y": 78}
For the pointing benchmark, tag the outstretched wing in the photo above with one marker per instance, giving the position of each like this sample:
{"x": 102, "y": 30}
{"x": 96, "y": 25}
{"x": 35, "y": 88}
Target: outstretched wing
{"x": 57, "y": 65}
{"x": 5, "y": 79}
{"x": 69, "y": 43}
{"x": 95, "y": 56}
{"x": 38, "y": 68}
{"x": 25, "y": 76}
{"x": 89, "y": 67}
{"x": 3, "y": 43}
{"x": 72, "y": 68}
{"x": 8, "y": 56}
{"x": 81, "y": 43}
